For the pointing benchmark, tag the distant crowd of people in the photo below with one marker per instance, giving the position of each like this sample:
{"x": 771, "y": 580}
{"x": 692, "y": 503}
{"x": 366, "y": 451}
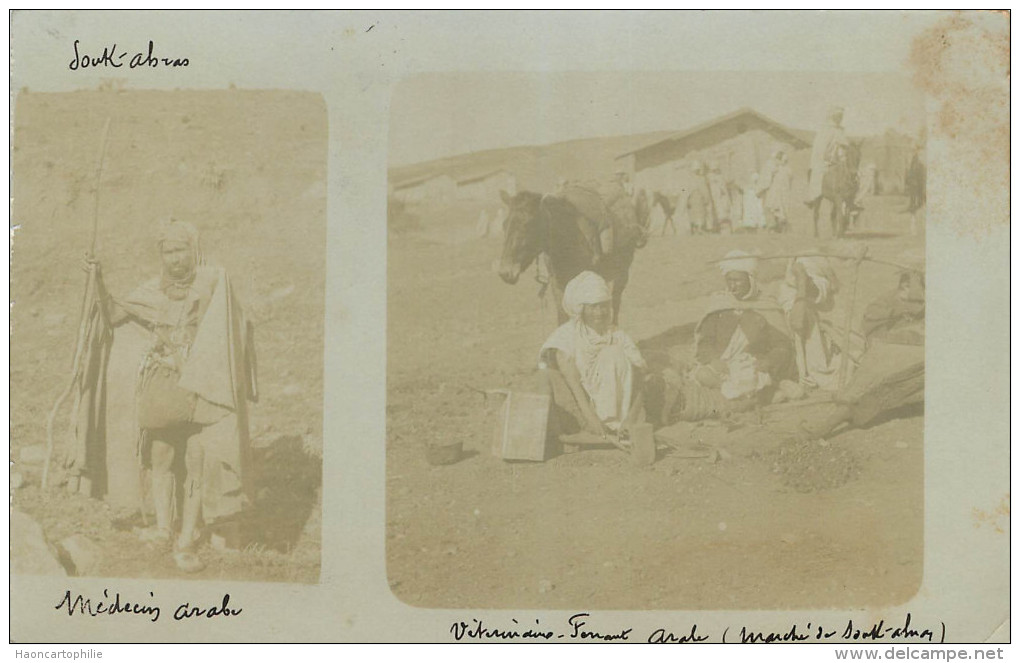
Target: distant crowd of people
{"x": 713, "y": 204}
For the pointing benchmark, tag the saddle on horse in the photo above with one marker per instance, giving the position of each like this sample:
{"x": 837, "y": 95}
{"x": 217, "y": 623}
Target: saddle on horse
{"x": 609, "y": 213}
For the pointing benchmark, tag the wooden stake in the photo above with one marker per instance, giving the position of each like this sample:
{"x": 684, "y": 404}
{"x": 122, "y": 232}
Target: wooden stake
{"x": 845, "y": 359}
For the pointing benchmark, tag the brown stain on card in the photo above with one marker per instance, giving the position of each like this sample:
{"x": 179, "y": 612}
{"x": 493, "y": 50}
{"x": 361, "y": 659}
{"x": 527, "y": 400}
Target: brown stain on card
{"x": 996, "y": 519}
{"x": 962, "y": 63}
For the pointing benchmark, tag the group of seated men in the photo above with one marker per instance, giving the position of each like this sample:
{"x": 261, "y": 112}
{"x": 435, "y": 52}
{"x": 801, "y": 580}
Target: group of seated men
{"x": 750, "y": 349}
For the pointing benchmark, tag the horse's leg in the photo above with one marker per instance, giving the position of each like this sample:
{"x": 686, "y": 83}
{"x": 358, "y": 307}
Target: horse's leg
{"x": 619, "y": 283}
{"x": 834, "y": 218}
{"x": 555, "y": 290}
{"x": 815, "y": 209}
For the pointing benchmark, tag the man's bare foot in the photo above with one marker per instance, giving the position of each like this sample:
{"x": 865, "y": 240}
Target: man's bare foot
{"x": 188, "y": 561}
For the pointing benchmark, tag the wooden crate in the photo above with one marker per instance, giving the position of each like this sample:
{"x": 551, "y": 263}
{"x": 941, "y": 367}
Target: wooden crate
{"x": 522, "y": 429}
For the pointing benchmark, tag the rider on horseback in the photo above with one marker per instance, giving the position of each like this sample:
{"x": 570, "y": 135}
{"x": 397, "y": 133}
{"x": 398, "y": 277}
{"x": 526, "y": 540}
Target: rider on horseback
{"x": 830, "y": 142}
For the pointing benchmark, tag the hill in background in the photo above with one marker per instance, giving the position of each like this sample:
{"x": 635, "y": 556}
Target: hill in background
{"x": 537, "y": 167}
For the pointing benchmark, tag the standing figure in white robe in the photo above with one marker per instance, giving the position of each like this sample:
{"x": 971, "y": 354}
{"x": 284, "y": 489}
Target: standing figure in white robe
{"x": 806, "y": 294}
{"x": 754, "y": 213}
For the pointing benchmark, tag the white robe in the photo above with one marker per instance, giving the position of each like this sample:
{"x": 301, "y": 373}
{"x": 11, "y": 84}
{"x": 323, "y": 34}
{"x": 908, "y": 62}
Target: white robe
{"x": 742, "y": 375}
{"x": 606, "y": 364}
{"x": 754, "y": 214}
{"x": 818, "y": 359}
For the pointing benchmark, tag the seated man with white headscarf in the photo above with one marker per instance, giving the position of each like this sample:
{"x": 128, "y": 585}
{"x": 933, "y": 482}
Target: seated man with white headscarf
{"x": 595, "y": 376}
{"x": 740, "y": 354}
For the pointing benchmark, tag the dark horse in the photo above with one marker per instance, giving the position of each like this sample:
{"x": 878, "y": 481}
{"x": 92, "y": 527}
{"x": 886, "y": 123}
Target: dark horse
{"x": 549, "y": 224}
{"x": 668, "y": 209}
{"x": 839, "y": 187}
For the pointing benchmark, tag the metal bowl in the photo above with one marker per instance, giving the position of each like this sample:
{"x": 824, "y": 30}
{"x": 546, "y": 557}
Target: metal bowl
{"x": 444, "y": 454}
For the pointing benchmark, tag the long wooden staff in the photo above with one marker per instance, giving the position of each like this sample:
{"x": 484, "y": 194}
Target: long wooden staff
{"x": 888, "y": 263}
{"x": 845, "y": 359}
{"x": 79, "y": 351}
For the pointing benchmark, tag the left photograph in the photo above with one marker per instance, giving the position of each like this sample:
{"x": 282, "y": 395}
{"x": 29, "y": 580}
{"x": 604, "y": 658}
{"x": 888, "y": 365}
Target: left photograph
{"x": 167, "y": 312}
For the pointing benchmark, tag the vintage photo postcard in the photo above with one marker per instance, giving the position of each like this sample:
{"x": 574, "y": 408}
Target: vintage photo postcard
{"x": 645, "y": 327}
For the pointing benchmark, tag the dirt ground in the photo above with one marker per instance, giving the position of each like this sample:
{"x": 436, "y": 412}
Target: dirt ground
{"x": 774, "y": 523}
{"x": 248, "y": 169}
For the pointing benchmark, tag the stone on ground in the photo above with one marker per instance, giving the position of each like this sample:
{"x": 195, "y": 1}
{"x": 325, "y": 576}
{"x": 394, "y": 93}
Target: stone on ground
{"x": 31, "y": 553}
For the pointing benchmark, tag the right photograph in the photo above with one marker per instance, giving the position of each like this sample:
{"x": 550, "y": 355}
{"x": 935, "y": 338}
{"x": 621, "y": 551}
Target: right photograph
{"x": 656, "y": 340}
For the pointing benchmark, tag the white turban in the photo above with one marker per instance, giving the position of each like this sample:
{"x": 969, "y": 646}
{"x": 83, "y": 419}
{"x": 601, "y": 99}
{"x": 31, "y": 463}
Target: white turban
{"x": 173, "y": 231}
{"x": 585, "y": 288}
{"x": 739, "y": 261}
{"x": 820, "y": 271}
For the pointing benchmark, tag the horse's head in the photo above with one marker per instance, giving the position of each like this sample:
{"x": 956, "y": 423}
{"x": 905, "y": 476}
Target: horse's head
{"x": 523, "y": 236}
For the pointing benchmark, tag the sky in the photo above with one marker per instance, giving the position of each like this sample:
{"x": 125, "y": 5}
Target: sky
{"x": 437, "y": 115}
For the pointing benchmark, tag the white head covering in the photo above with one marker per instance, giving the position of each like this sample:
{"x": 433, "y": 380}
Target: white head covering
{"x": 819, "y": 270}
{"x": 742, "y": 261}
{"x": 739, "y": 261}
{"x": 172, "y": 230}
{"x": 585, "y": 288}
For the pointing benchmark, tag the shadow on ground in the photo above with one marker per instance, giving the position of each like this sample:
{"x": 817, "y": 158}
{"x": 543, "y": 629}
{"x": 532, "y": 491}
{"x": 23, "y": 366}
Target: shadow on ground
{"x": 287, "y": 483}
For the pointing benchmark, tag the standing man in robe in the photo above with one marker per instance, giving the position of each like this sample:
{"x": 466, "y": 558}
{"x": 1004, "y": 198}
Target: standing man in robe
{"x": 699, "y": 206}
{"x": 891, "y": 371}
{"x": 807, "y": 294}
{"x": 777, "y": 187}
{"x": 194, "y": 380}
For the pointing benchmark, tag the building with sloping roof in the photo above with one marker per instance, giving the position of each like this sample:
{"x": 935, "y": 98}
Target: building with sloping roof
{"x": 486, "y": 186}
{"x": 439, "y": 187}
{"x": 738, "y": 143}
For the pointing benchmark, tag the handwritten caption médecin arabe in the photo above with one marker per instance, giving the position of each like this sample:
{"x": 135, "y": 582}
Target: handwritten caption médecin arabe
{"x": 146, "y": 608}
